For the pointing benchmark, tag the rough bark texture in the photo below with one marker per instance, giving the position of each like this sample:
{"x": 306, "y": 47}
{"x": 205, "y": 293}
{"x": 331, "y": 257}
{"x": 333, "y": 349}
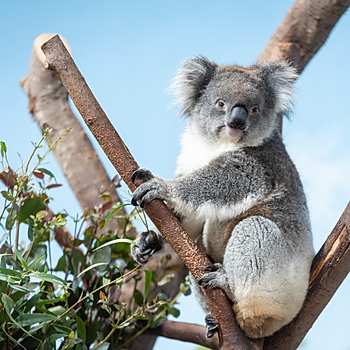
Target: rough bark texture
{"x": 48, "y": 102}
{"x": 193, "y": 333}
{"x": 303, "y": 31}
{"x": 59, "y": 60}
{"x": 187, "y": 332}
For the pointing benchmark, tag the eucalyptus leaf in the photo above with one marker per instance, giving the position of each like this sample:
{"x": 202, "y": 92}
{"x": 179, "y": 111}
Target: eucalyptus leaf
{"x": 138, "y": 297}
{"x": 12, "y": 339}
{"x": 81, "y": 328}
{"x": 49, "y": 278}
{"x": 3, "y": 148}
{"x": 8, "y": 304}
{"x": 7, "y": 195}
{"x": 30, "y": 319}
{"x": 31, "y": 207}
{"x": 91, "y": 267}
{"x": 115, "y": 241}
{"x": 47, "y": 172}
{"x": 148, "y": 278}
{"x": 20, "y": 258}
{"x": 113, "y": 211}
{"x": 51, "y": 339}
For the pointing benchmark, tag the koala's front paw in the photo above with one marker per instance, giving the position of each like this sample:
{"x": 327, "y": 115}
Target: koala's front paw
{"x": 215, "y": 278}
{"x": 142, "y": 174}
{"x": 155, "y": 187}
{"x": 211, "y": 325}
{"x": 147, "y": 244}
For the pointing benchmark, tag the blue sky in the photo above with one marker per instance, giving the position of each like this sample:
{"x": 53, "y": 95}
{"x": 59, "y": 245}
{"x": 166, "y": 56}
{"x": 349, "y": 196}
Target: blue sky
{"x": 129, "y": 51}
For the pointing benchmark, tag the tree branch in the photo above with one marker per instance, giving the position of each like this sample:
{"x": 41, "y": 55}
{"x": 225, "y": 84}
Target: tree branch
{"x": 48, "y": 102}
{"x": 59, "y": 60}
{"x": 187, "y": 332}
{"x": 303, "y": 32}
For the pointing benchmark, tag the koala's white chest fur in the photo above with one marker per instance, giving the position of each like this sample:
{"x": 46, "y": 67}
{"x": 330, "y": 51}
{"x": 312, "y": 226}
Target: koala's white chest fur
{"x": 197, "y": 152}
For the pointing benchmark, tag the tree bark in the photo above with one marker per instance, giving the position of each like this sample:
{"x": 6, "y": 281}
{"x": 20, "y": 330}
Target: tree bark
{"x": 48, "y": 102}
{"x": 59, "y": 60}
{"x": 303, "y": 31}
{"x": 186, "y": 332}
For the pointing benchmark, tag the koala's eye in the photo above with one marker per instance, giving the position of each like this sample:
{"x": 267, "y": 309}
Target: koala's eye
{"x": 221, "y": 104}
{"x": 254, "y": 109}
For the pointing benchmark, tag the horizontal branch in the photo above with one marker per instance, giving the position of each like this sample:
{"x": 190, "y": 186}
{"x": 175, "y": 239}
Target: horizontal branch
{"x": 187, "y": 332}
{"x": 59, "y": 60}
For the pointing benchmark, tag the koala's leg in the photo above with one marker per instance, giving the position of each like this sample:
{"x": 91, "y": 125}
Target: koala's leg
{"x": 210, "y": 323}
{"x": 268, "y": 275}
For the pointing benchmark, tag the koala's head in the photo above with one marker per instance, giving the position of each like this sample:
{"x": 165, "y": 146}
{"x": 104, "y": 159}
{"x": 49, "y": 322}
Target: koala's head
{"x": 232, "y": 103}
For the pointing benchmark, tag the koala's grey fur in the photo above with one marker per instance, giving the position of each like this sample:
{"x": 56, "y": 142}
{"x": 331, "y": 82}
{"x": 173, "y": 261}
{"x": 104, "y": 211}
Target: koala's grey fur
{"x": 237, "y": 191}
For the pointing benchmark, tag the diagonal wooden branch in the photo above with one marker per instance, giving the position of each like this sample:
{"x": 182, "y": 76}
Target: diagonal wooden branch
{"x": 48, "y": 103}
{"x": 303, "y": 31}
{"x": 59, "y": 60}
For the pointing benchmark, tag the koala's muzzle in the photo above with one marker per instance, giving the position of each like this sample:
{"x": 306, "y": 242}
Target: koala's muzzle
{"x": 239, "y": 118}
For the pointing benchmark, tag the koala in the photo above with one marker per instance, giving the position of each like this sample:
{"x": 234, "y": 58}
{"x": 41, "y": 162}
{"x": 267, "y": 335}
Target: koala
{"x": 237, "y": 192}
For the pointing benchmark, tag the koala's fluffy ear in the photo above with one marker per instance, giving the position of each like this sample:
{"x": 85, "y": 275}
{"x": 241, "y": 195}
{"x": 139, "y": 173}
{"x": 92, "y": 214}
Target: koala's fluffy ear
{"x": 190, "y": 82}
{"x": 279, "y": 77}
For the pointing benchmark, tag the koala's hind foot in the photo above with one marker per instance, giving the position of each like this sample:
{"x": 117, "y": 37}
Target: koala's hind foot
{"x": 217, "y": 277}
{"x": 148, "y": 243}
{"x": 211, "y": 325}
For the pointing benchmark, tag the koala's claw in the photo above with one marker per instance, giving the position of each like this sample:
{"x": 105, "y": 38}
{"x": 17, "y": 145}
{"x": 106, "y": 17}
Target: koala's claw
{"x": 154, "y": 187}
{"x": 142, "y": 174}
{"x": 212, "y": 268}
{"x": 211, "y": 325}
{"x": 145, "y": 193}
{"x": 215, "y": 278}
{"x": 147, "y": 244}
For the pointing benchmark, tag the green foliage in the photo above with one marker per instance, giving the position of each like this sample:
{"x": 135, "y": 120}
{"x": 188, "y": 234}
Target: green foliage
{"x": 79, "y": 303}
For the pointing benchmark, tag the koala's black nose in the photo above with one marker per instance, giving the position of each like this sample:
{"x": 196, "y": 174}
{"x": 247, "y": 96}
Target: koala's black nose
{"x": 239, "y": 118}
